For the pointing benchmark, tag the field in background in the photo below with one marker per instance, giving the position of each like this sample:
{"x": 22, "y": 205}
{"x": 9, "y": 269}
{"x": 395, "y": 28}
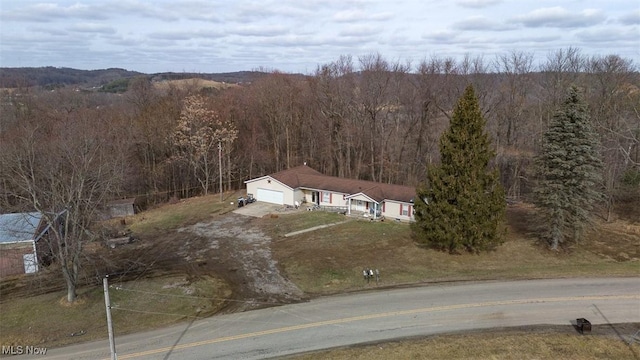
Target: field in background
{"x": 194, "y": 83}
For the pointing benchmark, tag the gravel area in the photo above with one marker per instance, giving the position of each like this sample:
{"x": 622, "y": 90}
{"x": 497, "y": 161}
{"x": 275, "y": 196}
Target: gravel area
{"x": 242, "y": 254}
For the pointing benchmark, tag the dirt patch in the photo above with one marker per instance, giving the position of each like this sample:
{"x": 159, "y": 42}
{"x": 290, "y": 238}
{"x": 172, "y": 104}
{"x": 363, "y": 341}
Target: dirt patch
{"x": 241, "y": 253}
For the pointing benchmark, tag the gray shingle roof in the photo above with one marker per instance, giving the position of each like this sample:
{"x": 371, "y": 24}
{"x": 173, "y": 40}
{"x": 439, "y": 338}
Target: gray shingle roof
{"x": 306, "y": 177}
{"x": 19, "y": 226}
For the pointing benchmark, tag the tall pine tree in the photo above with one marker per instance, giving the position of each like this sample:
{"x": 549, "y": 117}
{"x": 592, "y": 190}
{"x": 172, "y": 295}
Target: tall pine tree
{"x": 462, "y": 205}
{"x": 569, "y": 171}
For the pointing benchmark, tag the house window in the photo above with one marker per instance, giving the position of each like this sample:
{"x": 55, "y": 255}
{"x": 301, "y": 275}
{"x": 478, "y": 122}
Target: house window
{"x": 404, "y": 210}
{"x": 326, "y": 197}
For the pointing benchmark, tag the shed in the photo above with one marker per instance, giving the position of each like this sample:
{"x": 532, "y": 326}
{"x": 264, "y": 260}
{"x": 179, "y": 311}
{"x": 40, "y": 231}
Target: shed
{"x": 19, "y": 233}
{"x": 120, "y": 208}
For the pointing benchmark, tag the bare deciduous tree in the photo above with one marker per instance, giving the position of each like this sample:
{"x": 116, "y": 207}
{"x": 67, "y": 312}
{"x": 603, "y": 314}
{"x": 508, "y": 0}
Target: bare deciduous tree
{"x": 198, "y": 134}
{"x": 65, "y": 168}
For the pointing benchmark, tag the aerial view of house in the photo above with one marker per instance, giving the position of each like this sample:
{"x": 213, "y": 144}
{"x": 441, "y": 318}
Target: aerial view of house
{"x": 304, "y": 185}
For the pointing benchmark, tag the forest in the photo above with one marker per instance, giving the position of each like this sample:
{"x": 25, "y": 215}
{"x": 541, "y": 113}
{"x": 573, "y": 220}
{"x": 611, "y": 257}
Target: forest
{"x": 367, "y": 118}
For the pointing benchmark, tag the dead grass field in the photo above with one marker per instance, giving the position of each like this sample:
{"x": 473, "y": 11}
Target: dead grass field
{"x": 194, "y": 83}
{"x": 145, "y": 304}
{"x": 325, "y": 261}
{"x": 331, "y": 260}
{"x": 541, "y": 343}
{"x": 169, "y": 217}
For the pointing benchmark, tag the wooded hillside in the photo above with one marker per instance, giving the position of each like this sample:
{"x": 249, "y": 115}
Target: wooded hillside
{"x": 55, "y": 77}
{"x": 367, "y": 118}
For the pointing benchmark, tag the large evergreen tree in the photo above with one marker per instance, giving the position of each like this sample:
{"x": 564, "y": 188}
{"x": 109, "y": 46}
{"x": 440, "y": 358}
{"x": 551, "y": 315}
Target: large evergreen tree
{"x": 569, "y": 171}
{"x": 462, "y": 205}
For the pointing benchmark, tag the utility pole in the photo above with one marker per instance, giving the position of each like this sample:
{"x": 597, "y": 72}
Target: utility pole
{"x": 220, "y": 167}
{"x": 107, "y": 303}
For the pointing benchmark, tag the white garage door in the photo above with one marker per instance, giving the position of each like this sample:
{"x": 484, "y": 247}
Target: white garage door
{"x": 270, "y": 196}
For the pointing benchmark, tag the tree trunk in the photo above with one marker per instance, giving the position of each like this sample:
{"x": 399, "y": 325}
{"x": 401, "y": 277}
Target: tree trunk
{"x": 69, "y": 279}
{"x": 556, "y": 229}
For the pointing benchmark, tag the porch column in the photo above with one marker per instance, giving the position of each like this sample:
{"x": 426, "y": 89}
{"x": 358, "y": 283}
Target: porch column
{"x": 349, "y": 207}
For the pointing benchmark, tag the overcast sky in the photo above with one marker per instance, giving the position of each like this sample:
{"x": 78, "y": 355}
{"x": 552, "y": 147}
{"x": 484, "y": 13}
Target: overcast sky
{"x": 297, "y": 35}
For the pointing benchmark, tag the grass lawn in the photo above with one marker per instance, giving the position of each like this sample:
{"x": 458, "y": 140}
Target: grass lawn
{"x": 327, "y": 261}
{"x": 145, "y": 304}
{"x": 541, "y": 344}
{"x": 169, "y": 217}
{"x": 331, "y": 260}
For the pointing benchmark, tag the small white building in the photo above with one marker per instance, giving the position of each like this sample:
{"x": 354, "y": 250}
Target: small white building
{"x": 306, "y": 185}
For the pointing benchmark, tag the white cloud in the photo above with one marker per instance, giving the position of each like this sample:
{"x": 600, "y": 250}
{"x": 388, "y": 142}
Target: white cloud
{"x": 354, "y": 15}
{"x": 185, "y": 34}
{"x": 360, "y": 30}
{"x": 560, "y": 17}
{"x": 297, "y": 35}
{"x": 481, "y": 23}
{"x": 47, "y": 12}
{"x": 442, "y": 36}
{"x": 91, "y": 28}
{"x": 539, "y": 39}
{"x": 610, "y": 35}
{"x": 49, "y": 30}
{"x": 477, "y": 4}
{"x": 259, "y": 30}
{"x": 632, "y": 18}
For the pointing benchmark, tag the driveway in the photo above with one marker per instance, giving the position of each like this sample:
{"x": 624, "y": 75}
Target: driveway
{"x": 231, "y": 247}
{"x": 257, "y": 209}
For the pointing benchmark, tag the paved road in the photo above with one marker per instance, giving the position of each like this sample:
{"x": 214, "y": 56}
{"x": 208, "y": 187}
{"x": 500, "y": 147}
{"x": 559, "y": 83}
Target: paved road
{"x": 377, "y": 315}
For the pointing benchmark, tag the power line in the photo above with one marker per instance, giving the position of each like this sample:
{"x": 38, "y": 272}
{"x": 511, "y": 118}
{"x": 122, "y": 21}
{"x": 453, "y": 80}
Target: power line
{"x": 151, "y": 312}
{"x": 201, "y": 297}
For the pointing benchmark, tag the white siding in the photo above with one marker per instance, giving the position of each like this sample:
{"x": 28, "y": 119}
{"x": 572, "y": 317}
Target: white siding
{"x": 268, "y": 183}
{"x": 392, "y": 210}
{"x": 360, "y": 197}
{"x": 299, "y": 196}
{"x": 334, "y": 199}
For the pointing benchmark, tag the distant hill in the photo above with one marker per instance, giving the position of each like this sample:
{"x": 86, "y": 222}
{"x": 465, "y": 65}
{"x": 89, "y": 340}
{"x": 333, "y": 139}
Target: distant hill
{"x": 52, "y": 77}
{"x": 57, "y": 77}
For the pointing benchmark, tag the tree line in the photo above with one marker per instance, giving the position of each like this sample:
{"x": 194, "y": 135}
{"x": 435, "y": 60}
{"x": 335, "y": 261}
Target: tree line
{"x": 461, "y": 205}
{"x": 367, "y": 118}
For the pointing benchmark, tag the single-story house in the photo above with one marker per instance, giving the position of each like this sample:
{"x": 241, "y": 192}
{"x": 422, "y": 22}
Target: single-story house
{"x": 302, "y": 184}
{"x": 19, "y": 234}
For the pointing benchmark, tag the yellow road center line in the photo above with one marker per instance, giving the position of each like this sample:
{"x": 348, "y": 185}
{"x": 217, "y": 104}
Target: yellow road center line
{"x": 377, "y": 316}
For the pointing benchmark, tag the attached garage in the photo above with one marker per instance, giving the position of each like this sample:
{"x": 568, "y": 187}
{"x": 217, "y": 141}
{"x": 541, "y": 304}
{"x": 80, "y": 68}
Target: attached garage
{"x": 270, "y": 196}
{"x": 303, "y": 184}
{"x": 270, "y": 190}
